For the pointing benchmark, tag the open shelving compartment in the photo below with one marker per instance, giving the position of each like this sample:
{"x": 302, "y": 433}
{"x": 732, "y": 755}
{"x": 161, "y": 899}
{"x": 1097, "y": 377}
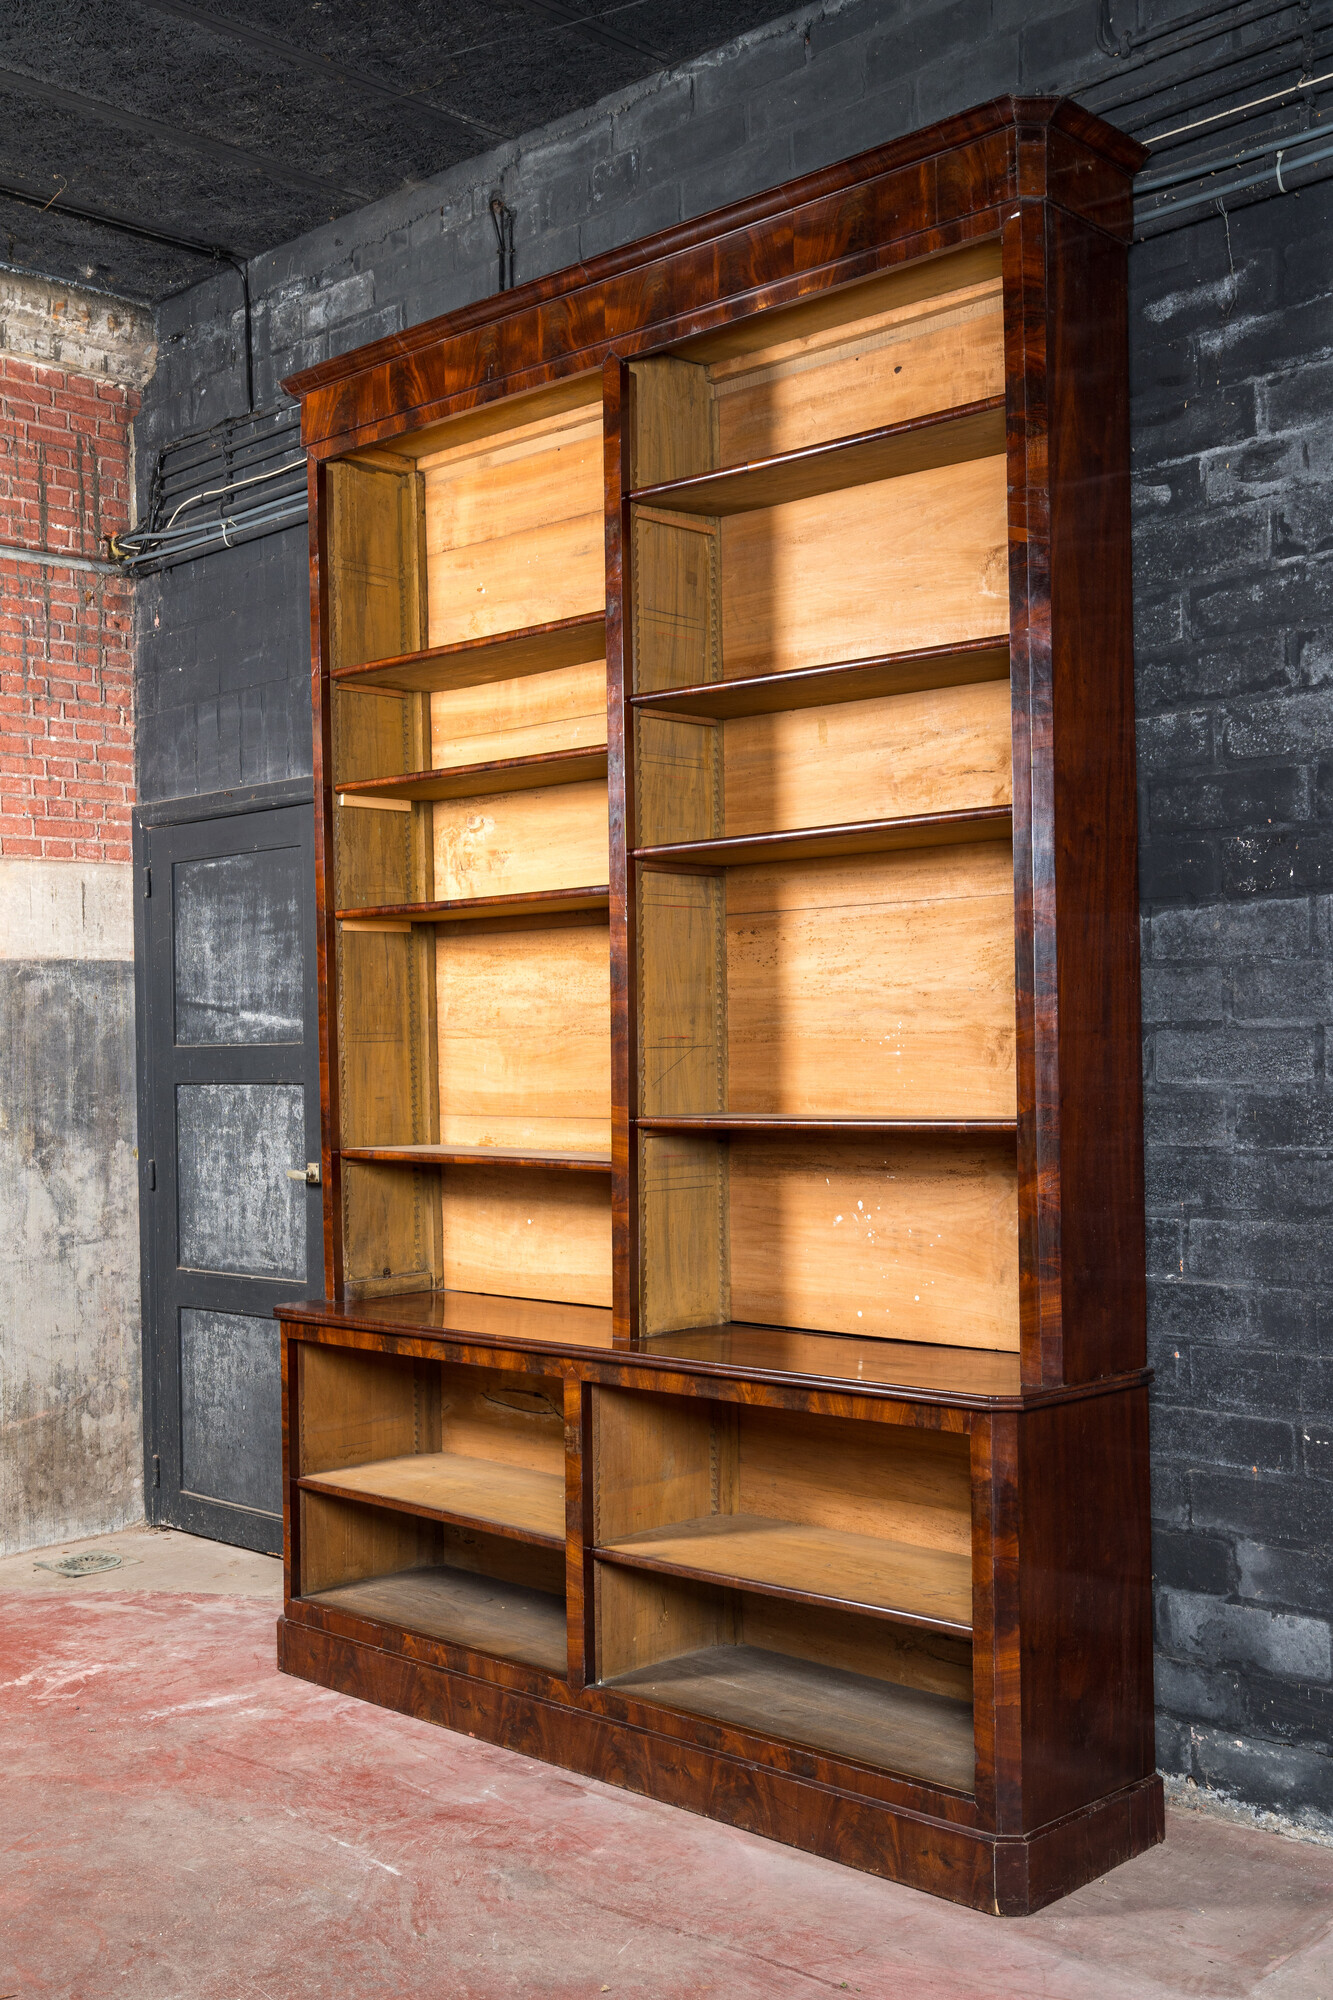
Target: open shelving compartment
{"x": 468, "y": 687}
{"x": 825, "y": 1092}
{"x": 432, "y": 1497}
{"x": 788, "y": 1575}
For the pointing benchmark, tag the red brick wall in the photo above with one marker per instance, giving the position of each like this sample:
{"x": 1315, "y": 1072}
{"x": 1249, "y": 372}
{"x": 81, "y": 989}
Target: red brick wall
{"x": 66, "y": 690}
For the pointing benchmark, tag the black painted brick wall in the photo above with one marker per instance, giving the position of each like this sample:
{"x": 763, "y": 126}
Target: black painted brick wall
{"x": 1232, "y": 363}
{"x": 1233, "y": 444}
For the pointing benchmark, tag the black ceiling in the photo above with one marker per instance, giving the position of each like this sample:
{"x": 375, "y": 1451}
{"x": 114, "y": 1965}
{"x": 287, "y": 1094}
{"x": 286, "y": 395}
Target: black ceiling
{"x": 234, "y": 125}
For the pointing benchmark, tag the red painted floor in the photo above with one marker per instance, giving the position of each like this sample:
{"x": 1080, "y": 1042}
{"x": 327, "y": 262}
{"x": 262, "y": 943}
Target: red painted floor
{"x": 180, "y": 1822}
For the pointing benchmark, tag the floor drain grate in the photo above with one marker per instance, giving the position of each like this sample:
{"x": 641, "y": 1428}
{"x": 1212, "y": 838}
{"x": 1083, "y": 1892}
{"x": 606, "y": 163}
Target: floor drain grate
{"x": 81, "y": 1565}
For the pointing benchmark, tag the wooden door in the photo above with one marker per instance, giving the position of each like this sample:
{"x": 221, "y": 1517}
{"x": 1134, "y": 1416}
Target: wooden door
{"x": 234, "y": 1225}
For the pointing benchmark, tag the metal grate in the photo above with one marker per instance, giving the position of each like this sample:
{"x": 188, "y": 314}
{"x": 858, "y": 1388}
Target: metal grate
{"x": 89, "y": 1565}
{"x": 217, "y": 488}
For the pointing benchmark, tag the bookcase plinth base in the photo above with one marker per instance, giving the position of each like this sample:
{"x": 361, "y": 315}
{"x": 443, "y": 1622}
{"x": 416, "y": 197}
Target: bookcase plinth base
{"x": 1000, "y": 1875}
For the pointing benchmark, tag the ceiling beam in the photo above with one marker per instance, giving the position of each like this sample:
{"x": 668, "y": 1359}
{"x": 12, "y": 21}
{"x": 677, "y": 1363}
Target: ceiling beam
{"x": 177, "y": 136}
{"x": 324, "y": 66}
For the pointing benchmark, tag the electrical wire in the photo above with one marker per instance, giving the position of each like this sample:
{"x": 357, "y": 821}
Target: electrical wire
{"x": 234, "y": 486}
{"x": 1236, "y": 110}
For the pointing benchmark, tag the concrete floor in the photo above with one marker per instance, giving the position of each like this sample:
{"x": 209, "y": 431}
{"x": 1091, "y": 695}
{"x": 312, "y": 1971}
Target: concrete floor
{"x": 178, "y": 1821}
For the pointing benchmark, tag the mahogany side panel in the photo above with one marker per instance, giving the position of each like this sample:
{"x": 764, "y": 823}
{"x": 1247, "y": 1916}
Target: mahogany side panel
{"x": 623, "y": 920}
{"x": 1084, "y": 1585}
{"x": 330, "y": 1115}
{"x": 1091, "y": 781}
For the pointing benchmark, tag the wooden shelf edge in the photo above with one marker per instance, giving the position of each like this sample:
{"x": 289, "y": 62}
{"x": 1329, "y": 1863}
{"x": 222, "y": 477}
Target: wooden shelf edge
{"x": 920, "y": 444}
{"x": 840, "y": 681}
{"x": 503, "y": 774}
{"x": 731, "y": 1580}
{"x": 455, "y": 1517}
{"x": 532, "y": 649}
{"x": 478, "y": 1156}
{"x": 820, "y": 842}
{"x": 870, "y": 1128}
{"x": 536, "y": 902}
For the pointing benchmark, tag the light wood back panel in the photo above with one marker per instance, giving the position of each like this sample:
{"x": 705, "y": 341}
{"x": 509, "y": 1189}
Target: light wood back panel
{"x": 864, "y": 1479}
{"x": 391, "y": 1229}
{"x": 387, "y": 1066}
{"x": 643, "y": 1619}
{"x": 376, "y": 562}
{"x": 904, "y": 1240}
{"x": 941, "y": 750}
{"x": 876, "y": 986}
{"x": 659, "y": 1460}
{"x": 880, "y": 367}
{"x": 524, "y": 1031}
{"x": 874, "y": 1647}
{"x": 672, "y": 421}
{"x": 682, "y": 993}
{"x": 677, "y": 606}
{"x": 684, "y": 1218}
{"x": 929, "y": 284}
{"x": 342, "y": 1542}
{"x": 527, "y": 1235}
{"x": 561, "y": 710}
{"x": 514, "y": 526}
{"x": 355, "y": 1407}
{"x": 918, "y": 561}
{"x": 504, "y": 1417}
{"x": 510, "y": 843}
{"x": 677, "y": 780}
{"x": 655, "y": 1460}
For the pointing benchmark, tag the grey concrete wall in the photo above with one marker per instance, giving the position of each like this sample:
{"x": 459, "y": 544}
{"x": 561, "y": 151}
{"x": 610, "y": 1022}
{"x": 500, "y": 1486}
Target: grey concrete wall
{"x": 70, "y": 1444}
{"x": 70, "y": 1368}
{"x": 1234, "y": 589}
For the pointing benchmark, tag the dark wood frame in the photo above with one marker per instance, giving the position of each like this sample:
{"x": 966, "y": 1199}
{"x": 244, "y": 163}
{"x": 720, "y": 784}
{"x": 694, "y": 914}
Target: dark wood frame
{"x": 1065, "y": 1781}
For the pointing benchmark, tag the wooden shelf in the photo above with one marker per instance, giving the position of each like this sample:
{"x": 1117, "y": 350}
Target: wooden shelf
{"x": 507, "y": 1500}
{"x": 917, "y": 1368}
{"x": 533, "y": 903}
{"x": 538, "y": 649}
{"x": 762, "y": 1122}
{"x": 843, "y": 681}
{"x": 931, "y": 1588}
{"x": 820, "y": 842}
{"x": 503, "y": 774}
{"x": 479, "y": 1156}
{"x": 926, "y": 1736}
{"x": 974, "y": 430}
{"x": 505, "y": 1619}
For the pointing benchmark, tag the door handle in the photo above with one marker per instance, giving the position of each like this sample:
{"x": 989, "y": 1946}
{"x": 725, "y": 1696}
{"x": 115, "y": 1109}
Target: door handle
{"x": 309, "y": 1173}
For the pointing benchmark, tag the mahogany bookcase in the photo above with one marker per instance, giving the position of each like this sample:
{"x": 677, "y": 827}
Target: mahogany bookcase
{"x": 731, "y": 1377}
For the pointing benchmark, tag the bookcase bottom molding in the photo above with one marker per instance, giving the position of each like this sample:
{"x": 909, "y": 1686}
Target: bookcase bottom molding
{"x": 1004, "y": 1876}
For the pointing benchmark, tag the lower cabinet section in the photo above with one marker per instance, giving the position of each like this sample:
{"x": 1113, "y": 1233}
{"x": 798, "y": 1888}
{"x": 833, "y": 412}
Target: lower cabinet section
{"x": 765, "y": 1600}
{"x": 850, "y": 1715}
{"x": 508, "y": 1619}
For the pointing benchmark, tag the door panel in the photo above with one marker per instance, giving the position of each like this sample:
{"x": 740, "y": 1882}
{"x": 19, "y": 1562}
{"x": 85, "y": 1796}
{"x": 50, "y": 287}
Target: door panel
{"x": 231, "y": 1409}
{"x": 234, "y": 1100}
{"x": 237, "y": 1210}
{"x": 237, "y": 978}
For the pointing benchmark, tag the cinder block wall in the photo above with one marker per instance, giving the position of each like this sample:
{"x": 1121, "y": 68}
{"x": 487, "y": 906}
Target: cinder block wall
{"x": 1232, "y": 386}
{"x": 71, "y": 366}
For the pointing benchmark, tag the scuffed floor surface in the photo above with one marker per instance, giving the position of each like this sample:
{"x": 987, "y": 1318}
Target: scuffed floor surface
{"x": 178, "y": 1821}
